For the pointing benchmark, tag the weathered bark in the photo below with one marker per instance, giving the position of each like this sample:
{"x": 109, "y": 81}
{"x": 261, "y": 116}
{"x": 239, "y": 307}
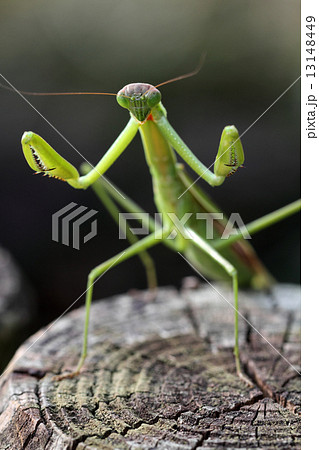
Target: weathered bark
{"x": 159, "y": 375}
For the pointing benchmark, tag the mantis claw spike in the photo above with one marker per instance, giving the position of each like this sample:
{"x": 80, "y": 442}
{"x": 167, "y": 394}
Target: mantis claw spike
{"x": 42, "y": 158}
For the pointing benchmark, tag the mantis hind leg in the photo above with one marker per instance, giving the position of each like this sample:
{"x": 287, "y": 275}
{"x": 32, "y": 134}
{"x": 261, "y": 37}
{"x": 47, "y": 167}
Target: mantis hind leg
{"x": 96, "y": 274}
{"x": 232, "y": 272}
{"x": 106, "y": 191}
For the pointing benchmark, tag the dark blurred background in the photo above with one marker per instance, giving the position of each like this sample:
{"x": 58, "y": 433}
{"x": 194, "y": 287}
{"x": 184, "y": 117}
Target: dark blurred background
{"x": 75, "y": 45}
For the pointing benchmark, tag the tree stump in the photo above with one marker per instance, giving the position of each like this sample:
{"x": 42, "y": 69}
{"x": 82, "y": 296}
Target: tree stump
{"x": 161, "y": 375}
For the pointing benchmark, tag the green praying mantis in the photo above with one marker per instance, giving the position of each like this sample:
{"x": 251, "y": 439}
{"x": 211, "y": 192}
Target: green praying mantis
{"x": 175, "y": 195}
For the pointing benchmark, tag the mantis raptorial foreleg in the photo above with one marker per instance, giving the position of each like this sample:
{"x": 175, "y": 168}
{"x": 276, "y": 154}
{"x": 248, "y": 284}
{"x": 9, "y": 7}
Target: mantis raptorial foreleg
{"x": 44, "y": 159}
{"x": 135, "y": 249}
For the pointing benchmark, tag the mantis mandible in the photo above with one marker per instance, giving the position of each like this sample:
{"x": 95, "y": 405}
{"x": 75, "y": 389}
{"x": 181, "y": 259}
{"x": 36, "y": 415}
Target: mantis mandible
{"x": 175, "y": 194}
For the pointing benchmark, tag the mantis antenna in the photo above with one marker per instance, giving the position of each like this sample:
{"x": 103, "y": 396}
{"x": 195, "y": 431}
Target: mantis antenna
{"x": 180, "y": 77}
{"x": 57, "y": 93}
{"x": 186, "y": 75}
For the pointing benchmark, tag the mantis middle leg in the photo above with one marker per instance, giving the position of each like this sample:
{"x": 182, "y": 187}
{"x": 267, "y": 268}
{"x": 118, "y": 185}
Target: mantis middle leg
{"x": 102, "y": 268}
{"x": 232, "y": 272}
{"x": 99, "y": 188}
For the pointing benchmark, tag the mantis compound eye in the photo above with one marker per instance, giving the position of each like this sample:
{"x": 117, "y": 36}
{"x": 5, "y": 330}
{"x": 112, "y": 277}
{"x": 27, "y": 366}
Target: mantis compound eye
{"x": 153, "y": 97}
{"x": 123, "y": 100}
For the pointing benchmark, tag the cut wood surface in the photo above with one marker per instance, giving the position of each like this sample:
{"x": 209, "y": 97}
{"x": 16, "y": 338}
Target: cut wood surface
{"x": 160, "y": 375}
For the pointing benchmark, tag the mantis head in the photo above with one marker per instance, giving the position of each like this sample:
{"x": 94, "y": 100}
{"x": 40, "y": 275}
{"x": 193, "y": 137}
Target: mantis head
{"x": 139, "y": 99}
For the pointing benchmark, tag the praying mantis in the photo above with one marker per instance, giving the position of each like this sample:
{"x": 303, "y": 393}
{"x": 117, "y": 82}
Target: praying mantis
{"x": 175, "y": 195}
